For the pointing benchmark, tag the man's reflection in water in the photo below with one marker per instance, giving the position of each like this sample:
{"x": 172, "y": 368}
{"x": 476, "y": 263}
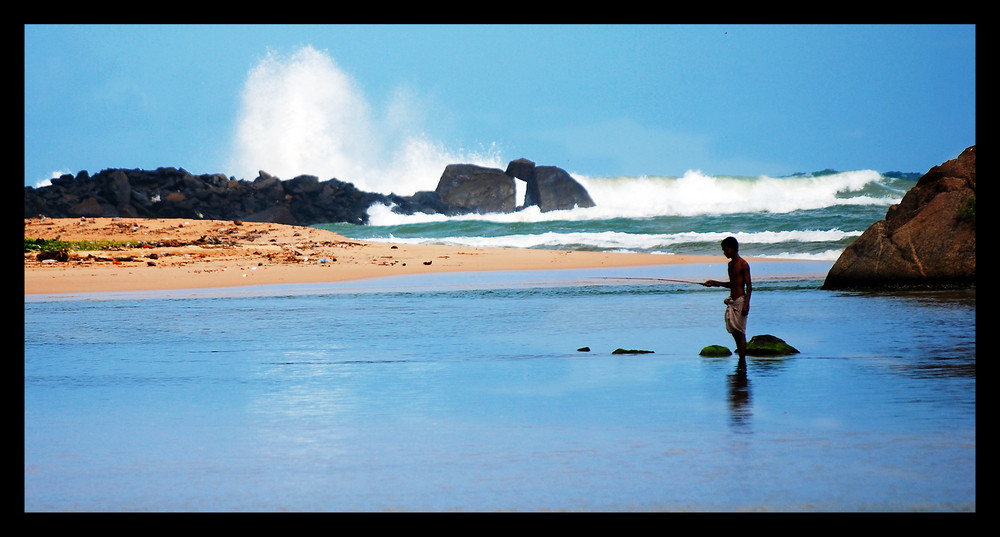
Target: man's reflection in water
{"x": 740, "y": 410}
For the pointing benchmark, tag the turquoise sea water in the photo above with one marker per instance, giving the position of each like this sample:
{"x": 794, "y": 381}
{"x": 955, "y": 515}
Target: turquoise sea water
{"x": 466, "y": 392}
{"x": 810, "y": 216}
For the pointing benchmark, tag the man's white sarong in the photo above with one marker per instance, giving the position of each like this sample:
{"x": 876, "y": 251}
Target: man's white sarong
{"x": 735, "y": 320}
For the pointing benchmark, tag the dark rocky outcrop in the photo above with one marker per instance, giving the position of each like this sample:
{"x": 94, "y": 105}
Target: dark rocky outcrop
{"x": 175, "y": 193}
{"x": 927, "y": 240}
{"x": 555, "y": 190}
{"x": 302, "y": 200}
{"x": 476, "y": 189}
{"x": 549, "y": 187}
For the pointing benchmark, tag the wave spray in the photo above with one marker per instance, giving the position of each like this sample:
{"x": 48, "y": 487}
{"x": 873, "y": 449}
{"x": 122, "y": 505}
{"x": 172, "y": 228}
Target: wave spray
{"x": 302, "y": 114}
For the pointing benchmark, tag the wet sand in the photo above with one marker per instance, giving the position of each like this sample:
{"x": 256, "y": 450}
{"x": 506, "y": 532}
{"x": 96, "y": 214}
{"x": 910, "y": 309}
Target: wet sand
{"x": 165, "y": 254}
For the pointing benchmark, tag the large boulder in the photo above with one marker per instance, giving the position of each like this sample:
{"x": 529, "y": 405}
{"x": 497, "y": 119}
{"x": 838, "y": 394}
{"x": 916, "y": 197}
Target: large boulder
{"x": 549, "y": 187}
{"x": 522, "y": 169}
{"x": 476, "y": 189}
{"x": 555, "y": 190}
{"x": 926, "y": 241}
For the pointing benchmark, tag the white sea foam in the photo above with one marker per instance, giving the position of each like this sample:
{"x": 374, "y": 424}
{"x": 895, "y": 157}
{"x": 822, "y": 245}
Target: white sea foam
{"x": 696, "y": 193}
{"x": 630, "y": 242}
{"x": 693, "y": 194}
{"x": 828, "y": 255}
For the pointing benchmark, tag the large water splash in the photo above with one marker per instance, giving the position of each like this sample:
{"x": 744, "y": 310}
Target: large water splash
{"x": 302, "y": 114}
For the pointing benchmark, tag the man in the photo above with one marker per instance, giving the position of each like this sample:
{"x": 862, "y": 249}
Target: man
{"x": 738, "y": 301}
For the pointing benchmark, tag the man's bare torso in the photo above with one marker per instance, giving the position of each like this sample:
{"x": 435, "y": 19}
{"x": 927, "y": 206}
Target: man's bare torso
{"x": 738, "y": 276}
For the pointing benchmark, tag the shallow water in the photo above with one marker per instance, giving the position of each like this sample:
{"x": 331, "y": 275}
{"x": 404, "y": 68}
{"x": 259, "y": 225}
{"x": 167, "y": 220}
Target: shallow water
{"x": 466, "y": 392}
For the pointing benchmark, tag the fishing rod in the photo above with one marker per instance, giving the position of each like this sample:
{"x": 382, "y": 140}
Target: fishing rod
{"x": 651, "y": 279}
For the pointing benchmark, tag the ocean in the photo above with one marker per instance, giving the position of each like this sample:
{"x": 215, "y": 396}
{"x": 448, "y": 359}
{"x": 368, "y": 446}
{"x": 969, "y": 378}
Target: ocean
{"x": 806, "y": 216}
{"x": 500, "y": 391}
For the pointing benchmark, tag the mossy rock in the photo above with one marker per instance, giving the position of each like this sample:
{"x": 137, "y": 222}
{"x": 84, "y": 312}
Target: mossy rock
{"x": 715, "y": 351}
{"x": 767, "y": 345}
{"x": 630, "y": 351}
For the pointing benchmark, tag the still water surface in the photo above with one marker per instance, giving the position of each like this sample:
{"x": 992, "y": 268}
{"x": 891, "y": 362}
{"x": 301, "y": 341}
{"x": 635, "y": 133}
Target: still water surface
{"x": 468, "y": 393}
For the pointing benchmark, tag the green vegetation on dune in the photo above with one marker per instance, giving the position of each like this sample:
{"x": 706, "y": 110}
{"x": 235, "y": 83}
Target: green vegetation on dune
{"x": 45, "y": 245}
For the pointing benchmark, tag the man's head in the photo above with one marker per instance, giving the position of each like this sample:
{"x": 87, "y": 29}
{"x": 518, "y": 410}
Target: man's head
{"x": 730, "y": 244}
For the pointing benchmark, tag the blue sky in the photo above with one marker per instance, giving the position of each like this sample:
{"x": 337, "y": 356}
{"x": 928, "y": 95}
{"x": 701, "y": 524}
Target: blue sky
{"x": 594, "y": 100}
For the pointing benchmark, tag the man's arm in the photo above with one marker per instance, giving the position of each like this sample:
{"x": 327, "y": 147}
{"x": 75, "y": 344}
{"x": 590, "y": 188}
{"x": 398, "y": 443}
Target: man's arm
{"x": 749, "y": 287}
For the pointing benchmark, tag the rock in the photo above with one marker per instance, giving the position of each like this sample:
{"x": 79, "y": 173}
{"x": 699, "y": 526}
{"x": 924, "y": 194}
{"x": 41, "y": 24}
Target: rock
{"x": 56, "y": 255}
{"x": 303, "y": 200}
{"x": 476, "y": 189}
{"x": 630, "y": 351}
{"x": 175, "y": 193}
{"x": 715, "y": 351}
{"x": 768, "y": 345}
{"x": 279, "y": 214}
{"x": 424, "y": 201}
{"x": 928, "y": 240}
{"x": 90, "y": 208}
{"x": 266, "y": 182}
{"x": 121, "y": 190}
{"x": 553, "y": 189}
{"x": 583, "y": 349}
{"x": 522, "y": 169}
{"x": 63, "y": 180}
{"x": 303, "y": 185}
{"x": 549, "y": 187}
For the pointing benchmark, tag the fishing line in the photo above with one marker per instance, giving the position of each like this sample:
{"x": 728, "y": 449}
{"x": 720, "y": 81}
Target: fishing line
{"x": 651, "y": 279}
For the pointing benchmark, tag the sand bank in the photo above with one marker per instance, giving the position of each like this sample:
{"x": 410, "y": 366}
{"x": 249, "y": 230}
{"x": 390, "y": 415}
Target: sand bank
{"x": 165, "y": 254}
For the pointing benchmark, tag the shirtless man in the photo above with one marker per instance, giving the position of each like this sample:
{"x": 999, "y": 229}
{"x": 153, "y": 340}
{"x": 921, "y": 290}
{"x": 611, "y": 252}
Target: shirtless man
{"x": 738, "y": 301}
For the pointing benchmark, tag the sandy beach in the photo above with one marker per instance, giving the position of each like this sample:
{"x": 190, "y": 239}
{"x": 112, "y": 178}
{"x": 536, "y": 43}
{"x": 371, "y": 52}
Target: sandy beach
{"x": 163, "y": 254}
